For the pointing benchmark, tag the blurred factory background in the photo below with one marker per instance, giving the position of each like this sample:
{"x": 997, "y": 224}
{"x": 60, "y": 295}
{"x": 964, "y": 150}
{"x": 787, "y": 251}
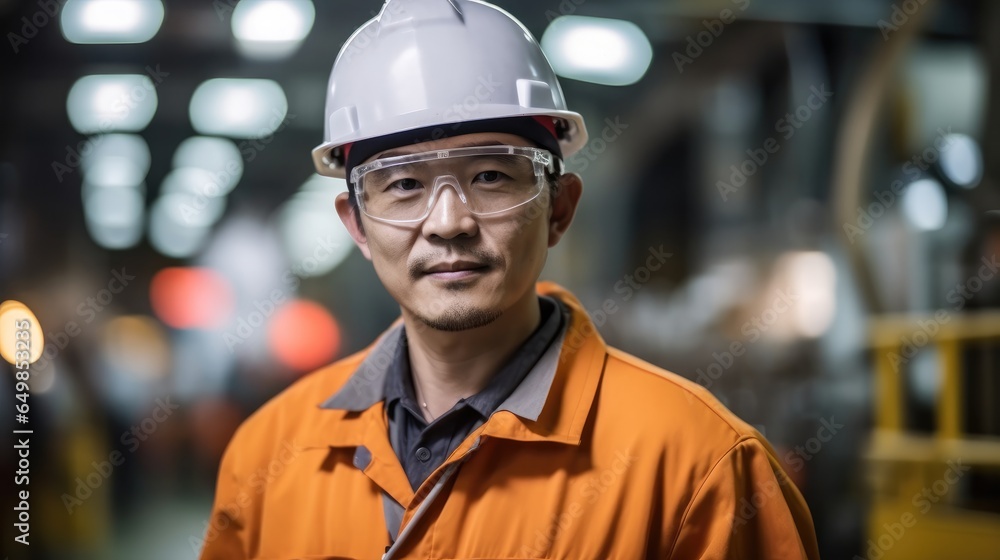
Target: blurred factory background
{"x": 822, "y": 174}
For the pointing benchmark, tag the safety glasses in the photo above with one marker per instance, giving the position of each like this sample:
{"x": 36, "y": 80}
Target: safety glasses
{"x": 488, "y": 180}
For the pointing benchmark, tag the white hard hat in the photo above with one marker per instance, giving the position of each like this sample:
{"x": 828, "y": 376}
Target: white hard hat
{"x": 427, "y": 63}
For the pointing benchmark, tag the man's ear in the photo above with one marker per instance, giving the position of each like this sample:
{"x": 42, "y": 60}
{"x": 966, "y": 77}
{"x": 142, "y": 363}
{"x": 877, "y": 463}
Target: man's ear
{"x": 349, "y": 215}
{"x": 569, "y": 188}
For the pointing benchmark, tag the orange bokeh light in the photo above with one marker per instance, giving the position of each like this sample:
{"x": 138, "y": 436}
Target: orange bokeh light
{"x": 303, "y": 335}
{"x": 191, "y": 298}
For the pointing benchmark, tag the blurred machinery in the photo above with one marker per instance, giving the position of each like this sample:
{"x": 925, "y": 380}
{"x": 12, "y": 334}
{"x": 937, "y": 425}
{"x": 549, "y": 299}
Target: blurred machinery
{"x": 932, "y": 462}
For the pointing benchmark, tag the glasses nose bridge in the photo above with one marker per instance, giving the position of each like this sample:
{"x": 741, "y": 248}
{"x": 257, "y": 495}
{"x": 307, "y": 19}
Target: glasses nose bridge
{"x": 442, "y": 181}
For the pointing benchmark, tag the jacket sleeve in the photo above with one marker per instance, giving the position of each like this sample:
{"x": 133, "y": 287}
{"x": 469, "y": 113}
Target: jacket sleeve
{"x": 226, "y": 533}
{"x": 746, "y": 508}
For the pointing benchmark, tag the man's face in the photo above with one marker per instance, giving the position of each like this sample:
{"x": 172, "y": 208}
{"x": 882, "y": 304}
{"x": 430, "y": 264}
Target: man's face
{"x": 455, "y": 270}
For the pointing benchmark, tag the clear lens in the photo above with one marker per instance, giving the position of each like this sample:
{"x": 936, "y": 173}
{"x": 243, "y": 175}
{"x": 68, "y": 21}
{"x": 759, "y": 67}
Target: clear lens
{"x": 488, "y": 179}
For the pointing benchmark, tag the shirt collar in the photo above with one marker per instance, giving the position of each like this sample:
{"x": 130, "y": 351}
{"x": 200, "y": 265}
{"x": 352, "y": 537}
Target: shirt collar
{"x": 517, "y": 368}
{"x": 366, "y": 385}
{"x": 398, "y": 384}
{"x": 566, "y": 400}
{"x": 382, "y": 374}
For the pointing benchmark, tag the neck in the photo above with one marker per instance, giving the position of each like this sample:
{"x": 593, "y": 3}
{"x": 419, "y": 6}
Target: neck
{"x": 448, "y": 366}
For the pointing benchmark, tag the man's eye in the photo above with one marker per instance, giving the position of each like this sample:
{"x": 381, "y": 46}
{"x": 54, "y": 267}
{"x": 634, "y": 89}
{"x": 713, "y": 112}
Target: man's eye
{"x": 489, "y": 176}
{"x": 405, "y": 185}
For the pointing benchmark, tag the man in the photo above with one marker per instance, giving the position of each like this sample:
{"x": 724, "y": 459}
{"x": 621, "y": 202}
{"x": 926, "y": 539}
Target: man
{"x": 490, "y": 420}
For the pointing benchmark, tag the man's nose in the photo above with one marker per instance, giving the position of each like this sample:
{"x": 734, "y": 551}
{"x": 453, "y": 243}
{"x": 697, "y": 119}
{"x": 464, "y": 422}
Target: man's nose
{"x": 449, "y": 216}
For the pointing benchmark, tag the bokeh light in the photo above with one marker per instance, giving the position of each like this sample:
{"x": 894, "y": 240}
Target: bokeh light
{"x": 311, "y": 231}
{"x": 13, "y": 315}
{"x": 962, "y": 160}
{"x": 111, "y": 21}
{"x": 925, "y": 204}
{"x": 116, "y": 160}
{"x": 599, "y": 50}
{"x": 191, "y": 298}
{"x": 270, "y": 29}
{"x": 217, "y": 156}
{"x": 240, "y": 108}
{"x": 114, "y": 215}
{"x": 111, "y": 102}
{"x": 303, "y": 335}
{"x": 136, "y": 344}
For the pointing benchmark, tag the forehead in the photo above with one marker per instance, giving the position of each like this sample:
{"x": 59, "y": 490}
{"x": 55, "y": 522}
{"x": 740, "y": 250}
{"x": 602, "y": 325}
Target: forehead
{"x": 461, "y": 141}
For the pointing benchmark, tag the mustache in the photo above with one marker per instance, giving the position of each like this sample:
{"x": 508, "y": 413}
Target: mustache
{"x": 488, "y": 258}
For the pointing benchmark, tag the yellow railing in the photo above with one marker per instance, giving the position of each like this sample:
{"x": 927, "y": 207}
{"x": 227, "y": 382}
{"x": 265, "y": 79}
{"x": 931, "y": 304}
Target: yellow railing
{"x": 946, "y": 331}
{"x": 914, "y": 511}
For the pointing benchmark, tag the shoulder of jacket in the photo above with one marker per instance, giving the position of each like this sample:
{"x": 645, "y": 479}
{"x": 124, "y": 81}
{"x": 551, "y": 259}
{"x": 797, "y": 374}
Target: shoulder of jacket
{"x": 672, "y": 402}
{"x": 293, "y": 407}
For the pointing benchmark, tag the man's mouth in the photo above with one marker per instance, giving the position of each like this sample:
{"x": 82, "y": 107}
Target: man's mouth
{"x": 455, "y": 270}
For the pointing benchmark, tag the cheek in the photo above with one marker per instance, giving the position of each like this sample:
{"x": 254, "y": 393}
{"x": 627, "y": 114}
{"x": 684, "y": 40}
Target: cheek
{"x": 388, "y": 254}
{"x": 529, "y": 246}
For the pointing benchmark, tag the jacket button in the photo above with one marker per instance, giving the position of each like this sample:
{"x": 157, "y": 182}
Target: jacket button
{"x": 423, "y": 454}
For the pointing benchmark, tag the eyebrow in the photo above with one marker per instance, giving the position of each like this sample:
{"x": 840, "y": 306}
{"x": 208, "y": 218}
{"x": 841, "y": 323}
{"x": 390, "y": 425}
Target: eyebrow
{"x": 393, "y": 153}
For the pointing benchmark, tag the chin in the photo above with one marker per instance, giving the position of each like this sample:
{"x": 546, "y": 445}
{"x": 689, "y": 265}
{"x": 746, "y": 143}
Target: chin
{"x": 460, "y": 318}
{"x": 455, "y": 306}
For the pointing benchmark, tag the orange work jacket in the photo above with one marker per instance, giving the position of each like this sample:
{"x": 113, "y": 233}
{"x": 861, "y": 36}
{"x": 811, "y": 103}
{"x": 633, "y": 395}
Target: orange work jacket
{"x": 620, "y": 460}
